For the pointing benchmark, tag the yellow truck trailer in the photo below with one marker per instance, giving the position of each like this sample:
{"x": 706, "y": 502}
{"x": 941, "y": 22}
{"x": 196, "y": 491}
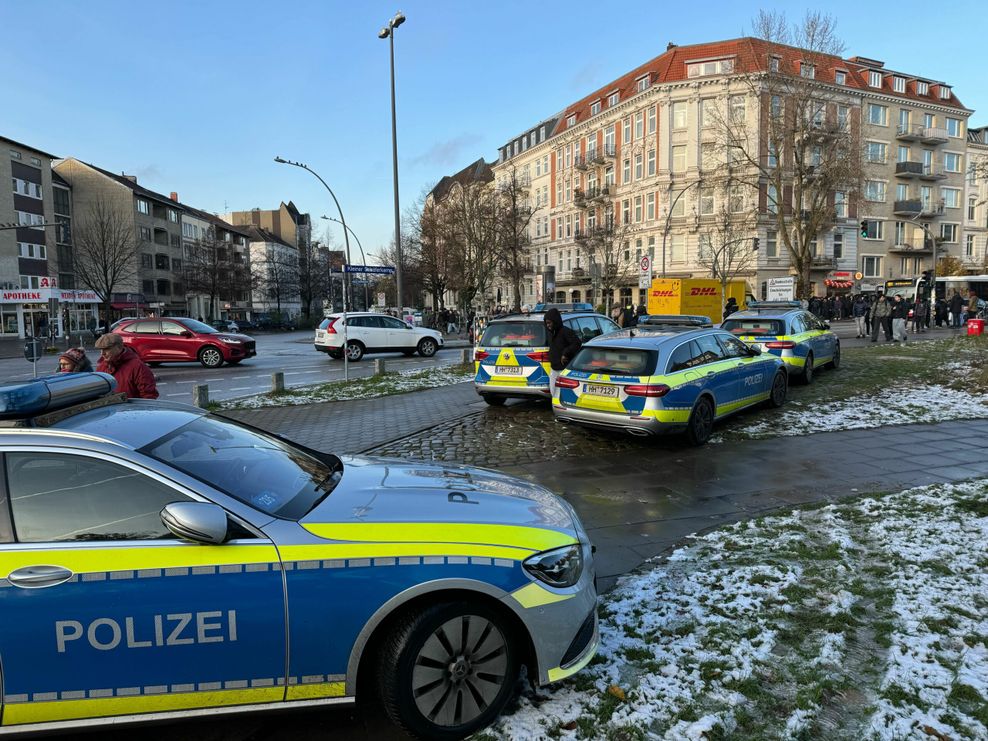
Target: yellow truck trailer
{"x": 693, "y": 296}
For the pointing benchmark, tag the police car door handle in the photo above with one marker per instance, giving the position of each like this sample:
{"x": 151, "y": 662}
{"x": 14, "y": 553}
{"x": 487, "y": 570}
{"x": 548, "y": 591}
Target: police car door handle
{"x": 35, "y": 577}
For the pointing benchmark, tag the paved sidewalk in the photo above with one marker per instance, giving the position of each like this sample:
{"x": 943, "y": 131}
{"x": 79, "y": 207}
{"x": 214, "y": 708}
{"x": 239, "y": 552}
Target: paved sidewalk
{"x": 355, "y": 426}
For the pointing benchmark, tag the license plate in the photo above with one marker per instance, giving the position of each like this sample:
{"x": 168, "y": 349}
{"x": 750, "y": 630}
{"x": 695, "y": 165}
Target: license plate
{"x": 598, "y": 390}
{"x": 507, "y": 370}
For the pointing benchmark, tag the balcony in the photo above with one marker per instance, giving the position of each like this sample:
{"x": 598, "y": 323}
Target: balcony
{"x": 821, "y": 129}
{"x": 918, "y": 248}
{"x": 581, "y": 163}
{"x": 909, "y": 170}
{"x": 932, "y": 173}
{"x": 579, "y": 198}
{"x": 823, "y": 262}
{"x": 934, "y": 135}
{"x": 578, "y": 273}
{"x": 912, "y": 207}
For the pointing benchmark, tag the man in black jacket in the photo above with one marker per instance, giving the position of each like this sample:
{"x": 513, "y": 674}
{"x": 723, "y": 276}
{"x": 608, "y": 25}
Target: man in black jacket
{"x": 563, "y": 344}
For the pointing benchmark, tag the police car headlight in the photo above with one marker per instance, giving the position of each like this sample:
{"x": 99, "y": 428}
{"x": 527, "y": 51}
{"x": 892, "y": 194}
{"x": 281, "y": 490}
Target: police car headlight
{"x": 560, "y": 567}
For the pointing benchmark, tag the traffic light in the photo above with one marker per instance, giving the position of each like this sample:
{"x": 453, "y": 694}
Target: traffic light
{"x": 864, "y": 227}
{"x": 754, "y": 244}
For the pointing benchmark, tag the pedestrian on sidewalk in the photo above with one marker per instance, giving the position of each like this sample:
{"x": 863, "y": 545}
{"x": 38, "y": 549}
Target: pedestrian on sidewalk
{"x": 860, "y": 312}
{"x": 919, "y": 316}
{"x": 133, "y": 377}
{"x": 900, "y": 312}
{"x": 956, "y": 304}
{"x": 881, "y": 318}
{"x": 940, "y": 312}
{"x": 564, "y": 344}
{"x": 74, "y": 360}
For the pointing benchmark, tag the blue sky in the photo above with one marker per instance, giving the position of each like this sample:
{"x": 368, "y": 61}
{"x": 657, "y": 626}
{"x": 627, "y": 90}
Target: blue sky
{"x": 198, "y": 97}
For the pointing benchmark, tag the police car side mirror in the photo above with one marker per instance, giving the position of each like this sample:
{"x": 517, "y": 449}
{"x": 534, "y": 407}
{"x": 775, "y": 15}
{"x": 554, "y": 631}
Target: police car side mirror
{"x": 200, "y": 522}
{"x": 754, "y": 350}
{"x": 826, "y": 325}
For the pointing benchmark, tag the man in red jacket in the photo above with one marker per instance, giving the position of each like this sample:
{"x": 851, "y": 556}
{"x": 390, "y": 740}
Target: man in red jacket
{"x": 133, "y": 377}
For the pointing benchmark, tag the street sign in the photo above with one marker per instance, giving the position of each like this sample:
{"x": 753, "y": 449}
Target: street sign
{"x": 371, "y": 269}
{"x": 381, "y": 299}
{"x": 781, "y": 289}
{"x": 33, "y": 349}
{"x": 645, "y": 272}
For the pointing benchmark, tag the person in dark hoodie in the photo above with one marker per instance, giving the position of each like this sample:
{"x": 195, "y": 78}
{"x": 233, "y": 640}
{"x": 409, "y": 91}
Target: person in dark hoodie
{"x": 563, "y": 344}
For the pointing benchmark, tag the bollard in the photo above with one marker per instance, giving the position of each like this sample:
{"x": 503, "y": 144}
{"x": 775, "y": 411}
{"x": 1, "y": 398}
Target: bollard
{"x": 277, "y": 382}
{"x": 200, "y": 395}
{"x": 467, "y": 356}
{"x": 379, "y": 367}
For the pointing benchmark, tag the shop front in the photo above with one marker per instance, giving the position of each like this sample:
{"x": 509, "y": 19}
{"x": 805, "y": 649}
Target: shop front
{"x": 36, "y": 312}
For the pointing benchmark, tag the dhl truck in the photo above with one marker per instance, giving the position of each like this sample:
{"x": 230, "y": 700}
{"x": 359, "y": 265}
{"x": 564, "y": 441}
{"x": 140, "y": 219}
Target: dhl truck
{"x": 693, "y": 296}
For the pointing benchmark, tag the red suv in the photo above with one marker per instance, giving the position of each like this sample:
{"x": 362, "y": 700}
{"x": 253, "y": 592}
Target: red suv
{"x": 178, "y": 340}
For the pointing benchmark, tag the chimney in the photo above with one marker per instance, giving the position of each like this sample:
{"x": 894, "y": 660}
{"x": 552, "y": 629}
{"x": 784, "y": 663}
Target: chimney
{"x": 131, "y": 178}
{"x": 670, "y": 46}
{"x": 174, "y": 196}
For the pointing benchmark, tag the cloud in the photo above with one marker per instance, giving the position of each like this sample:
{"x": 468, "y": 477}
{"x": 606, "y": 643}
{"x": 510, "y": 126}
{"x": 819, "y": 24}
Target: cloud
{"x": 447, "y": 153}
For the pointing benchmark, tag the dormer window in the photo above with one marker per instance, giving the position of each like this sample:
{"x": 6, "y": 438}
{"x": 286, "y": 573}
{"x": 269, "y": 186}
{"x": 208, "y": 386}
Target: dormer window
{"x": 840, "y": 77}
{"x": 613, "y": 99}
{"x": 944, "y": 92}
{"x": 641, "y": 84}
{"x": 707, "y": 68}
{"x": 571, "y": 121}
{"x": 899, "y": 84}
{"x": 874, "y": 78}
{"x": 595, "y": 108}
{"x": 807, "y": 70}
{"x": 773, "y": 64}
{"x": 922, "y": 88}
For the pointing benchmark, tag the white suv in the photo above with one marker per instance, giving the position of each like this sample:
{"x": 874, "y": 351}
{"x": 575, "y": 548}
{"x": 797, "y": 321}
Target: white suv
{"x": 368, "y": 332}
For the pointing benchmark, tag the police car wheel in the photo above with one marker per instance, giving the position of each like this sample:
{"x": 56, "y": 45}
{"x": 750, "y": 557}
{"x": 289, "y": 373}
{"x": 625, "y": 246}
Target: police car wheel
{"x": 780, "y": 387}
{"x": 427, "y": 347}
{"x": 494, "y": 401}
{"x": 807, "y": 377}
{"x": 835, "y": 361}
{"x": 210, "y": 357}
{"x": 701, "y": 424}
{"x": 448, "y": 670}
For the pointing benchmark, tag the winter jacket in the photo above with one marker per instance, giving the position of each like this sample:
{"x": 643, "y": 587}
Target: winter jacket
{"x": 564, "y": 343}
{"x": 880, "y": 309}
{"x": 900, "y": 310}
{"x": 860, "y": 308}
{"x": 133, "y": 377}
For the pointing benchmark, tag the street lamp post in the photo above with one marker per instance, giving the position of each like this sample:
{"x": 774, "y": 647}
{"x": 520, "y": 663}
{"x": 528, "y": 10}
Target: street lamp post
{"x": 363, "y": 258}
{"x": 346, "y": 240}
{"x": 388, "y": 32}
{"x": 665, "y": 232}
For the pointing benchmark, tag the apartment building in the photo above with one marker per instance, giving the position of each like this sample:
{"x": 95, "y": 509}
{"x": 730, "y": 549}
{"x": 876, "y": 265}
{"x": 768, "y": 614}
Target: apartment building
{"x": 157, "y": 284}
{"x": 274, "y": 265}
{"x": 216, "y": 258}
{"x": 974, "y": 255}
{"x": 638, "y": 166}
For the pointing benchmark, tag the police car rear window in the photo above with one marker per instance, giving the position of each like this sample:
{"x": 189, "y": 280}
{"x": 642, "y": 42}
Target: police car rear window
{"x": 755, "y": 327}
{"x": 514, "y": 334}
{"x": 616, "y": 361}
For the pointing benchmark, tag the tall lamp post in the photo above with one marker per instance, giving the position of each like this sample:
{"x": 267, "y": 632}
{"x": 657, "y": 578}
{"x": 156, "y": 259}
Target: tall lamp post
{"x": 363, "y": 258}
{"x": 346, "y": 240}
{"x": 388, "y": 32}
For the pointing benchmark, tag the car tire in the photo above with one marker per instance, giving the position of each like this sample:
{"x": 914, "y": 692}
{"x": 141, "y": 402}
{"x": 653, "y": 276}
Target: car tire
{"x": 354, "y": 351}
{"x": 808, "y": 370}
{"x": 780, "y": 389}
{"x": 210, "y": 357}
{"x": 154, "y": 363}
{"x": 335, "y": 354}
{"x": 427, "y": 347}
{"x": 429, "y": 669}
{"x": 701, "y": 423}
{"x": 408, "y": 353}
{"x": 834, "y": 363}
{"x": 234, "y": 362}
{"x": 493, "y": 400}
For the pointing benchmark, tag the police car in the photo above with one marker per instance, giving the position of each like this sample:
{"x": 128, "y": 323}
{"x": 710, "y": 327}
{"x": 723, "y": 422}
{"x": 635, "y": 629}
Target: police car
{"x": 786, "y": 330}
{"x": 512, "y": 356}
{"x": 159, "y": 561}
{"x": 669, "y": 374}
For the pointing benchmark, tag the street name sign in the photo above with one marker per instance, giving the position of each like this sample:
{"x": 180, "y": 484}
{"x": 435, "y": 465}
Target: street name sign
{"x": 371, "y": 269}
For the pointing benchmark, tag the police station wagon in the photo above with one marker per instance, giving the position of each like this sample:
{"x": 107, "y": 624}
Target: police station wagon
{"x": 670, "y": 375}
{"x": 159, "y": 561}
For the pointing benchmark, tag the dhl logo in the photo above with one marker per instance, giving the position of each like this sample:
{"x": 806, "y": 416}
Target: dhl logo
{"x": 703, "y": 292}
{"x": 663, "y": 294}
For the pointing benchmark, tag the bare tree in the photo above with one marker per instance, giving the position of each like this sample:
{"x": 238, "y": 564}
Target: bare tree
{"x": 105, "y": 249}
{"x": 802, "y": 152}
{"x": 516, "y": 215}
{"x": 607, "y": 251}
{"x": 277, "y": 278}
{"x": 475, "y": 237}
{"x": 726, "y": 246}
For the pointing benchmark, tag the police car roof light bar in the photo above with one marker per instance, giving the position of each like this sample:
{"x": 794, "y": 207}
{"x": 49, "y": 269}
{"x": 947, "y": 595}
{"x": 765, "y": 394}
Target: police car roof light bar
{"x": 774, "y": 305}
{"x": 681, "y": 320}
{"x": 23, "y": 400}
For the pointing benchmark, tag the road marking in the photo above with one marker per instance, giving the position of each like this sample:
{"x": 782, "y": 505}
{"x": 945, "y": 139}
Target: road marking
{"x": 239, "y": 378}
{"x": 182, "y": 394}
{"x": 185, "y": 381}
{"x": 243, "y": 388}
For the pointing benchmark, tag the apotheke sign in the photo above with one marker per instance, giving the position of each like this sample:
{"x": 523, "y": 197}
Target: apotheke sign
{"x": 44, "y": 295}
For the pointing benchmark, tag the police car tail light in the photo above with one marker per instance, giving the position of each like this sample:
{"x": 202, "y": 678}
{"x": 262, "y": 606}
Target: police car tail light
{"x": 560, "y": 567}
{"x": 566, "y": 383}
{"x": 538, "y": 357}
{"x": 24, "y": 400}
{"x": 649, "y": 389}
{"x": 481, "y": 355}
{"x": 781, "y": 345}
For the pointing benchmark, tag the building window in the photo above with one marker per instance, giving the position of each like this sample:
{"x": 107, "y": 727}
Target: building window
{"x": 609, "y": 175}
{"x": 878, "y": 114}
{"x": 902, "y": 153}
{"x": 708, "y": 116}
{"x": 638, "y": 166}
{"x": 677, "y": 247}
{"x": 570, "y": 122}
{"x": 874, "y": 229}
{"x": 901, "y": 192}
{"x": 32, "y": 221}
{"x": 951, "y": 197}
{"x": 874, "y": 190}
{"x": 969, "y": 246}
{"x": 840, "y": 77}
{"x": 775, "y": 109}
{"x": 627, "y": 132}
{"x": 871, "y": 266}
{"x": 899, "y": 84}
{"x": 807, "y": 70}
{"x": 944, "y": 92}
{"x": 703, "y": 69}
{"x": 143, "y": 206}
{"x": 650, "y": 207}
{"x": 651, "y": 162}
{"x": 773, "y": 64}
{"x": 146, "y": 262}
{"x": 176, "y": 264}
{"x": 771, "y": 244}
{"x": 679, "y": 115}
{"x": 708, "y": 154}
{"x": 840, "y": 204}
{"x": 651, "y": 119}
{"x": 876, "y": 152}
{"x": 626, "y": 211}
{"x": 875, "y": 79}
{"x": 679, "y": 158}
{"x": 613, "y": 99}
{"x": 161, "y": 262}
{"x": 26, "y": 188}
{"x": 14, "y": 154}
{"x": 773, "y": 154}
{"x": 948, "y": 233}
{"x": 922, "y": 88}
{"x": 32, "y": 251}
{"x": 772, "y": 199}
{"x": 626, "y": 172}
{"x": 706, "y": 201}
{"x": 30, "y": 281}
{"x": 595, "y": 108}
{"x": 163, "y": 288}
{"x": 173, "y": 215}
{"x": 951, "y": 162}
{"x": 736, "y": 104}
{"x": 972, "y": 204}
{"x": 638, "y": 208}
{"x": 641, "y": 84}
{"x": 639, "y": 124}
{"x": 954, "y": 127}
{"x": 838, "y": 245}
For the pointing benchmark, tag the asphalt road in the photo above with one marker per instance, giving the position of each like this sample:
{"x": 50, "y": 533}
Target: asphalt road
{"x": 290, "y": 352}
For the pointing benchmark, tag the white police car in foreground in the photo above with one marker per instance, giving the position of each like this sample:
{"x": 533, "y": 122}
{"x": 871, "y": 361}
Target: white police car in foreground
{"x": 158, "y": 561}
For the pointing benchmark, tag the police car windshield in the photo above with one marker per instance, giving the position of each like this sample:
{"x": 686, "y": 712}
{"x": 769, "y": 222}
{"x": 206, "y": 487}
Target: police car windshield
{"x": 263, "y": 472}
{"x": 755, "y": 327}
{"x": 617, "y": 361}
{"x": 515, "y": 334}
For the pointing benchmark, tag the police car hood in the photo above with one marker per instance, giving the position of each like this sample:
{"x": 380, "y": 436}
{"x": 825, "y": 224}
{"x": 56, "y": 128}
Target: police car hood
{"x": 397, "y": 495}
